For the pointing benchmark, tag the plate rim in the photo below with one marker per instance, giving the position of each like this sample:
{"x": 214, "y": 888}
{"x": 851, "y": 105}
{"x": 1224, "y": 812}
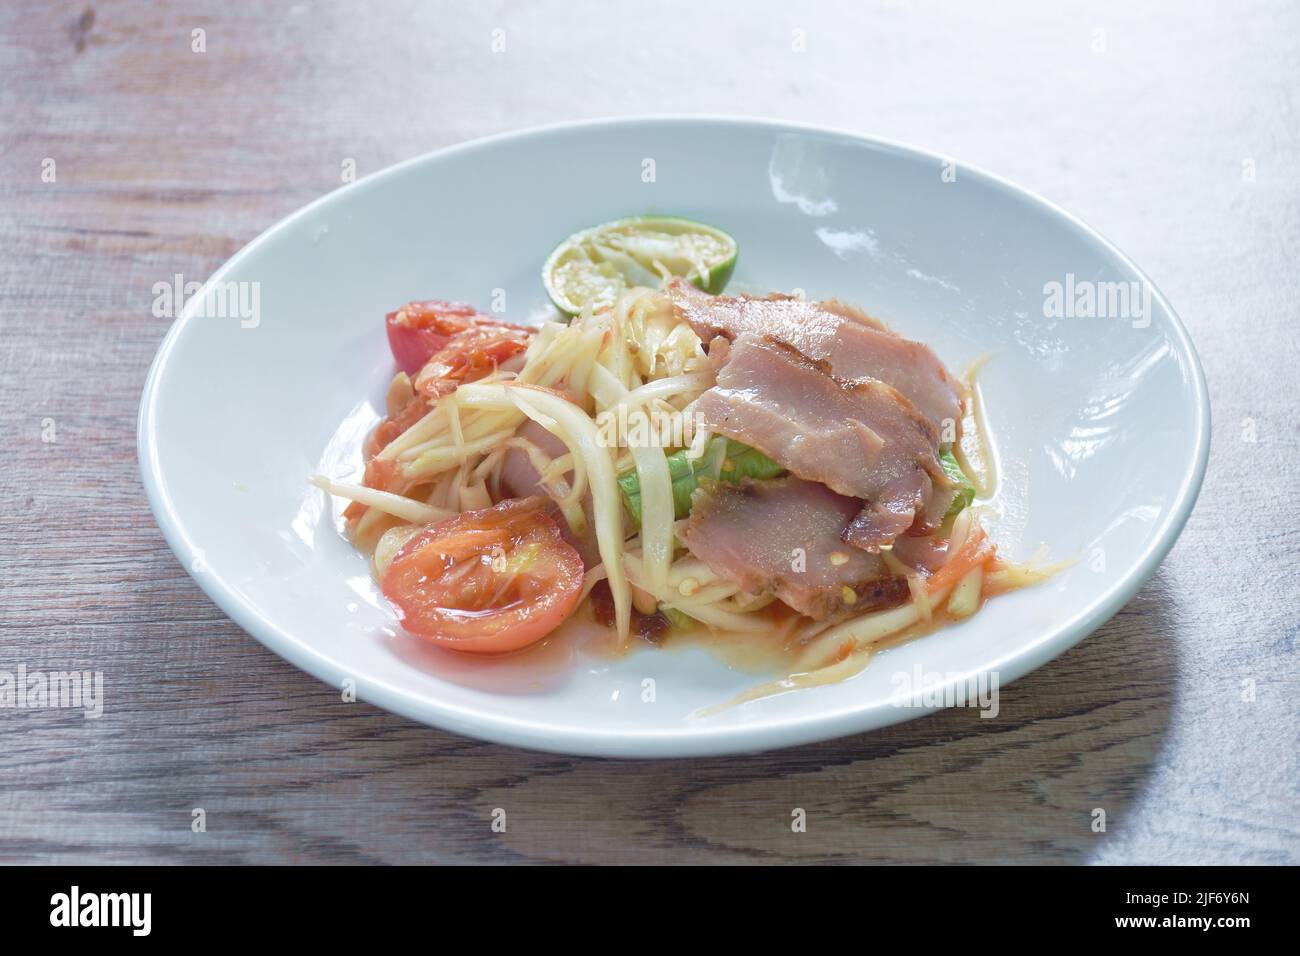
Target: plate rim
{"x": 688, "y": 740}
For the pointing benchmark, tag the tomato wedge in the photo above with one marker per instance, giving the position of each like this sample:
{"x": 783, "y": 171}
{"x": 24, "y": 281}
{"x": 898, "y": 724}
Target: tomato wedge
{"x": 393, "y": 426}
{"x": 419, "y": 329}
{"x": 469, "y": 356}
{"x": 486, "y": 581}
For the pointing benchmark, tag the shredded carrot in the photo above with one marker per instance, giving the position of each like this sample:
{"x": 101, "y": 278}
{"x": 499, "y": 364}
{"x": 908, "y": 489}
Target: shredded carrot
{"x": 974, "y": 551}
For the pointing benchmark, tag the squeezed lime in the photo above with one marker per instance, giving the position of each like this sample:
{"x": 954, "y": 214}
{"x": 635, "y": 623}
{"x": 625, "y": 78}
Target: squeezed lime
{"x": 594, "y": 266}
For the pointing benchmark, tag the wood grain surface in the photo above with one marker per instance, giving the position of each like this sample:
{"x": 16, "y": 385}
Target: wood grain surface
{"x": 1172, "y": 128}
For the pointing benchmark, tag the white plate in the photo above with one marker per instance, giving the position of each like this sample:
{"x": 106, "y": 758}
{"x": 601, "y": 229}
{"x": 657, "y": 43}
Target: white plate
{"x": 1102, "y": 423}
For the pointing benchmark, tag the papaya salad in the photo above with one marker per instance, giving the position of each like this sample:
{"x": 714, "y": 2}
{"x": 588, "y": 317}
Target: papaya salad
{"x": 668, "y": 458}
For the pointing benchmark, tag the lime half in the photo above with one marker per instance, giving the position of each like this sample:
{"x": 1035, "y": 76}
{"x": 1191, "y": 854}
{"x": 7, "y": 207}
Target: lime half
{"x": 594, "y": 266}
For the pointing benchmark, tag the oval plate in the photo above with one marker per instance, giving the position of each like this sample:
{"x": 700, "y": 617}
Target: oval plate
{"x": 275, "y": 371}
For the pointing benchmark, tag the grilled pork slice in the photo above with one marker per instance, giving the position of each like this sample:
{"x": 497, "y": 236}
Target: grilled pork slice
{"x": 854, "y": 345}
{"x": 862, "y": 439}
{"x": 783, "y": 536}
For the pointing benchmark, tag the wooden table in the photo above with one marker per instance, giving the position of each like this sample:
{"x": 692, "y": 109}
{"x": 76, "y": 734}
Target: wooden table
{"x": 1174, "y": 131}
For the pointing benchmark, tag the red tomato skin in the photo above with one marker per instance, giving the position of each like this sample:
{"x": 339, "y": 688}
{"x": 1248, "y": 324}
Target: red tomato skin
{"x": 419, "y": 329}
{"x": 468, "y": 356}
{"x": 552, "y": 582}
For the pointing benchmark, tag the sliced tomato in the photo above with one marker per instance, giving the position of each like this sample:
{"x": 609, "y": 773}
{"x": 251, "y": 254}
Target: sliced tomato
{"x": 389, "y": 428}
{"x": 486, "y": 581}
{"x": 419, "y": 329}
{"x": 384, "y": 474}
{"x": 469, "y": 356}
